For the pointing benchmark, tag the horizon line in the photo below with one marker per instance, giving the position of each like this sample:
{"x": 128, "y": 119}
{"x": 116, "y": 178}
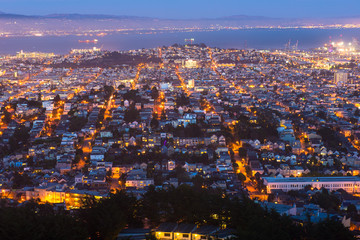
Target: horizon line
{"x": 164, "y": 18}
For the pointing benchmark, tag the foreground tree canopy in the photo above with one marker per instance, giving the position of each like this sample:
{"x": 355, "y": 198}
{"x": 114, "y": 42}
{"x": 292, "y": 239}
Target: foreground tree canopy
{"x": 104, "y": 219}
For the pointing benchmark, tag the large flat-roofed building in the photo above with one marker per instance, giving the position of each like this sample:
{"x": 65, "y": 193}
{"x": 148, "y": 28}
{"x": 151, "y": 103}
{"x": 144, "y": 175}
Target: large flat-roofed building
{"x": 340, "y": 77}
{"x": 349, "y": 184}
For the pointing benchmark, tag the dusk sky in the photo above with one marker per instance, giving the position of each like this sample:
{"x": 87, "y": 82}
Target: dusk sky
{"x": 188, "y": 8}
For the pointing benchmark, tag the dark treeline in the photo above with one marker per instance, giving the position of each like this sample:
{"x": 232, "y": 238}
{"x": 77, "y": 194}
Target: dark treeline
{"x": 104, "y": 219}
{"x": 111, "y": 59}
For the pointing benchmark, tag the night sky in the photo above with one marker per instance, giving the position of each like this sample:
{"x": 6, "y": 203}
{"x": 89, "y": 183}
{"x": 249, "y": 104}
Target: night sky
{"x": 181, "y": 9}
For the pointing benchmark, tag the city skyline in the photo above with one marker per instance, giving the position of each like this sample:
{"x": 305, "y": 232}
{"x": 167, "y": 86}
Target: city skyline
{"x": 187, "y": 9}
{"x": 179, "y": 120}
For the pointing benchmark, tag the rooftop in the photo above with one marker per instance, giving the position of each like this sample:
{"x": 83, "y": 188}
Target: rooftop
{"x": 312, "y": 179}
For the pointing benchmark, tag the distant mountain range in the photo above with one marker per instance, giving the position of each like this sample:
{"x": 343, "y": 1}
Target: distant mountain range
{"x": 17, "y": 24}
{"x": 77, "y": 16}
{"x": 72, "y": 16}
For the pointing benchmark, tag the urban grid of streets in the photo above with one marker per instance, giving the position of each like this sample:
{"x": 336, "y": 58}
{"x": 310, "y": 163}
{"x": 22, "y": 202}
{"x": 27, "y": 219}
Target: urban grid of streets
{"x": 199, "y": 108}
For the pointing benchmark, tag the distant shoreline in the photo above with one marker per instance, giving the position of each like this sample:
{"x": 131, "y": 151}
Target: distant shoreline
{"x": 95, "y": 33}
{"x": 252, "y": 38}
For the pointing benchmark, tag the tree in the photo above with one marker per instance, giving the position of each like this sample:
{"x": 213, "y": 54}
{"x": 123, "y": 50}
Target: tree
{"x": 351, "y": 210}
{"x": 241, "y": 177}
{"x": 38, "y": 221}
{"x": 325, "y": 200}
{"x": 150, "y": 169}
{"x": 21, "y": 180}
{"x": 57, "y": 98}
{"x": 131, "y": 115}
{"x": 105, "y": 218}
{"x": 181, "y": 174}
{"x": 330, "y": 230}
{"x": 182, "y": 100}
{"x": 146, "y": 87}
{"x": 193, "y": 130}
{"x": 132, "y": 95}
{"x": 330, "y": 137}
{"x": 154, "y": 123}
{"x": 21, "y": 135}
{"x": 108, "y": 90}
{"x": 163, "y": 115}
{"x": 353, "y": 120}
{"x": 7, "y": 117}
{"x": 248, "y": 170}
{"x": 77, "y": 123}
{"x": 357, "y": 112}
{"x": 313, "y": 160}
{"x": 78, "y": 155}
{"x": 154, "y": 93}
{"x": 288, "y": 149}
{"x": 198, "y": 181}
{"x": 271, "y": 197}
{"x": 321, "y": 114}
{"x": 242, "y": 152}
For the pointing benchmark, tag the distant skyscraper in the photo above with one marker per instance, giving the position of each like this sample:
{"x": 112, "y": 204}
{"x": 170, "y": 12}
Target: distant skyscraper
{"x": 340, "y": 78}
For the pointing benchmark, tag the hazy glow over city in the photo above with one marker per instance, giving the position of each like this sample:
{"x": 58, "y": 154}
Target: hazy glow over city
{"x": 187, "y": 8}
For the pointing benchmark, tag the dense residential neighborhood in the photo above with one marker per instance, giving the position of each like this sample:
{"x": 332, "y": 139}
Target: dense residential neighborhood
{"x": 277, "y": 128}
